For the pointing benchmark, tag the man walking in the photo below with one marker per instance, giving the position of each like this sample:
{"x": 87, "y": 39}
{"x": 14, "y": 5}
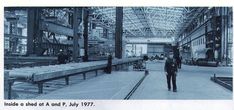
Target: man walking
{"x": 180, "y": 62}
{"x": 170, "y": 71}
{"x": 109, "y": 64}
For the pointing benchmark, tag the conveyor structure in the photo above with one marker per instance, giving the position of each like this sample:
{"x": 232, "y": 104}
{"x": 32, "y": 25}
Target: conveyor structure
{"x": 41, "y": 74}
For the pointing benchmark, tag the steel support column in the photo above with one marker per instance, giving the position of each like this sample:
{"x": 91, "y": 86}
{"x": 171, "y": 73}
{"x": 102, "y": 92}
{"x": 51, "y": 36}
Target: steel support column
{"x": 86, "y": 33}
{"x": 31, "y": 30}
{"x": 77, "y": 17}
{"x": 224, "y": 34}
{"x": 118, "y": 32}
{"x": 34, "y": 34}
{"x": 39, "y": 34}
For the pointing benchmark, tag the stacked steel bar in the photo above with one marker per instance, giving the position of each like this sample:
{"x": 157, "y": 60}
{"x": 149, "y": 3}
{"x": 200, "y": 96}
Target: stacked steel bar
{"x": 34, "y": 74}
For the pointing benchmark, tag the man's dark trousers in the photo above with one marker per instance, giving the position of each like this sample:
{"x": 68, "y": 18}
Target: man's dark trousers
{"x": 171, "y": 76}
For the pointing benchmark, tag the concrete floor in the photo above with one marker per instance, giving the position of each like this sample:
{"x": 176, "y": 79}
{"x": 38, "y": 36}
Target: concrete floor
{"x": 193, "y": 82}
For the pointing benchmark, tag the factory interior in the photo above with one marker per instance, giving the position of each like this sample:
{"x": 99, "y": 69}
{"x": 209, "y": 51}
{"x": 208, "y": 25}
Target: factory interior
{"x": 117, "y": 52}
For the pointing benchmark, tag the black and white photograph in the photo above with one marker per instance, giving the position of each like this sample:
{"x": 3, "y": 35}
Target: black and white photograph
{"x": 117, "y": 53}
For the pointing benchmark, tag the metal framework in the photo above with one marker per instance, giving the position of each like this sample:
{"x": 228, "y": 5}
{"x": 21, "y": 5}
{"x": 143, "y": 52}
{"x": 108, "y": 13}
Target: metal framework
{"x": 161, "y": 22}
{"x": 58, "y": 22}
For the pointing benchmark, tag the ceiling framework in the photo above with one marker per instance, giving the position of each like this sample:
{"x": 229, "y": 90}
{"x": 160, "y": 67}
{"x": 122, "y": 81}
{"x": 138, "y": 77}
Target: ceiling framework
{"x": 191, "y": 14}
{"x": 160, "y": 22}
{"x": 148, "y": 22}
{"x": 57, "y": 15}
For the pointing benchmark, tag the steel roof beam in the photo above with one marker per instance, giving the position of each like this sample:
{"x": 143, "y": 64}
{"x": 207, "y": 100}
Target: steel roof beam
{"x": 111, "y": 17}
